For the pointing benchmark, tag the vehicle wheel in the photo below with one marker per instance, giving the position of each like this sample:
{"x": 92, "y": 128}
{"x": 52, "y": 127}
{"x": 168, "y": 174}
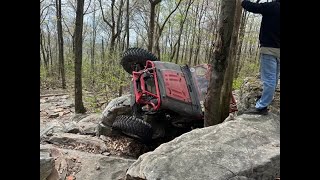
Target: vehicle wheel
{"x": 134, "y": 56}
{"x": 133, "y": 127}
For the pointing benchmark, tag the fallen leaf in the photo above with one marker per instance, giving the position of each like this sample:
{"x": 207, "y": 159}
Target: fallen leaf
{"x": 71, "y": 177}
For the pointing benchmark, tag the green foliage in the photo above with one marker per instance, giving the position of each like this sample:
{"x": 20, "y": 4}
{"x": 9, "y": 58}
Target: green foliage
{"x": 91, "y": 103}
{"x": 165, "y": 57}
{"x": 236, "y": 84}
{"x": 50, "y": 79}
{"x": 100, "y": 85}
{"x": 43, "y": 73}
{"x": 249, "y": 69}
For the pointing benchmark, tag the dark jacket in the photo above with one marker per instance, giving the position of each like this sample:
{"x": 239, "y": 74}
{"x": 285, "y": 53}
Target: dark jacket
{"x": 270, "y": 25}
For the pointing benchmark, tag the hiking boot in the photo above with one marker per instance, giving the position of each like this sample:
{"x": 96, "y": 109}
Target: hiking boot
{"x": 263, "y": 111}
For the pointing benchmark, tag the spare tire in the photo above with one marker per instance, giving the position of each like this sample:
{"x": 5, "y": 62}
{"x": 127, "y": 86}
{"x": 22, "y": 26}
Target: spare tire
{"x": 133, "y": 127}
{"x": 135, "y": 56}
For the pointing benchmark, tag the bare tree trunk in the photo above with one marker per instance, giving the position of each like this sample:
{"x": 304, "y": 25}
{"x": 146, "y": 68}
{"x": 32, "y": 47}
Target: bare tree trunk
{"x": 202, "y": 10}
{"x": 79, "y": 108}
{"x": 40, "y": 73}
{"x": 93, "y": 46}
{"x": 187, "y": 46}
{"x": 119, "y": 21}
{"x": 207, "y": 48}
{"x": 173, "y": 53}
{"x": 219, "y": 64}
{"x": 183, "y": 51}
{"x": 119, "y": 27}
{"x": 94, "y": 32}
{"x": 214, "y": 32}
{"x": 157, "y": 35}
{"x": 153, "y": 4}
{"x": 49, "y": 49}
{"x": 250, "y": 42}
{"x": 228, "y": 79}
{"x": 102, "y": 53}
{"x": 103, "y": 66}
{"x": 181, "y": 29}
{"x": 127, "y": 24}
{"x": 160, "y": 30}
{"x": 193, "y": 36}
{"x": 48, "y": 56}
{"x": 115, "y": 27}
{"x": 60, "y": 43}
{"x": 123, "y": 43}
{"x": 240, "y": 42}
{"x": 43, "y": 52}
{"x": 196, "y": 54}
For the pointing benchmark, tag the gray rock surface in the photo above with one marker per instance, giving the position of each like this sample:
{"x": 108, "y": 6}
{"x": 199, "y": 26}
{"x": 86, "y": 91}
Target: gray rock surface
{"x": 46, "y": 164}
{"x": 93, "y": 118}
{"x": 78, "y": 142}
{"x": 87, "y": 128}
{"x": 54, "y": 126}
{"x": 116, "y": 107}
{"x": 72, "y": 127}
{"x": 87, "y": 166}
{"x": 245, "y": 148}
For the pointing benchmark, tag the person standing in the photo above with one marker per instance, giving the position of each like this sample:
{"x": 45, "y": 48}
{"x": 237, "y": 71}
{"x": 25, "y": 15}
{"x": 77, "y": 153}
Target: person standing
{"x": 269, "y": 39}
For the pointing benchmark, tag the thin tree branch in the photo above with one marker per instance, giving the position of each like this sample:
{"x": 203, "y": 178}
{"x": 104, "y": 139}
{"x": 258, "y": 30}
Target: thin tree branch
{"x": 161, "y": 29}
{"x": 119, "y": 18}
{"x": 73, "y": 7}
{"x": 104, "y": 19}
{"x": 41, "y": 13}
{"x": 85, "y": 12}
{"x": 41, "y": 21}
{"x": 91, "y": 11}
{"x": 112, "y": 12}
{"x": 68, "y": 30}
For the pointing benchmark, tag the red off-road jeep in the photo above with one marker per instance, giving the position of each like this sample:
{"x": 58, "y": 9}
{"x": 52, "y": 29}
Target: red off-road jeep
{"x": 166, "y": 98}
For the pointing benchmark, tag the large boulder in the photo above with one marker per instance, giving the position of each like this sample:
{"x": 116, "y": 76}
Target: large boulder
{"x": 245, "y": 148}
{"x": 116, "y": 107}
{"x": 251, "y": 90}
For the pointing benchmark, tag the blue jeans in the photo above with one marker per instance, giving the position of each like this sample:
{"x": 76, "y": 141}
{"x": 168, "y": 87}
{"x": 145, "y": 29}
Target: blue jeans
{"x": 270, "y": 70}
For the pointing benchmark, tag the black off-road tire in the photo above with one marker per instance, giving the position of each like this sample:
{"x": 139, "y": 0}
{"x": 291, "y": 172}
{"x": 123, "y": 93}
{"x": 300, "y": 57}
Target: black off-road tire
{"x": 136, "y": 56}
{"x": 133, "y": 127}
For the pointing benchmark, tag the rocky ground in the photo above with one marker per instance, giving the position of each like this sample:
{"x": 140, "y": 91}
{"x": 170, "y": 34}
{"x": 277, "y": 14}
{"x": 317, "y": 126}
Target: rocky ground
{"x": 69, "y": 139}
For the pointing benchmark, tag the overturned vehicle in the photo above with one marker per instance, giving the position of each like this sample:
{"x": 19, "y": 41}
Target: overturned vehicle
{"x": 166, "y": 99}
